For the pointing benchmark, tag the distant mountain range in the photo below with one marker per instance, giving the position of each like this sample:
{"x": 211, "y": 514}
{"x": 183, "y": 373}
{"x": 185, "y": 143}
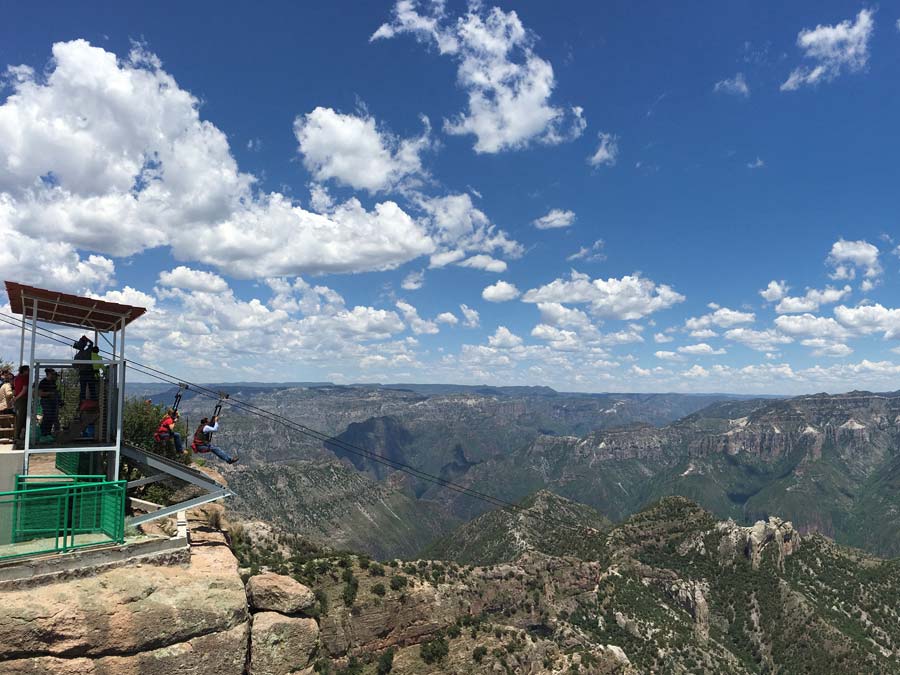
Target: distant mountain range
{"x": 828, "y": 463}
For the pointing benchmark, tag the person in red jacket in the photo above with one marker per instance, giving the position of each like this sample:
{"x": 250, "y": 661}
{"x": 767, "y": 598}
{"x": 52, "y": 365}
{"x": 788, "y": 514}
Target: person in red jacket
{"x": 20, "y": 401}
{"x": 166, "y": 430}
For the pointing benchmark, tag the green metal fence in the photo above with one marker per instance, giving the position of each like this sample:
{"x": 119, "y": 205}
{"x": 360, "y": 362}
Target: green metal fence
{"x": 53, "y": 514}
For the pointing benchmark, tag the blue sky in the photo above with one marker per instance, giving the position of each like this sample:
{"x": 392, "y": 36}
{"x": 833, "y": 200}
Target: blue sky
{"x": 308, "y": 192}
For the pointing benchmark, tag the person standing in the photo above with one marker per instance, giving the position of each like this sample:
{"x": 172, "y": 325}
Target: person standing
{"x": 50, "y": 398}
{"x": 7, "y": 393}
{"x": 20, "y": 401}
{"x": 203, "y": 440}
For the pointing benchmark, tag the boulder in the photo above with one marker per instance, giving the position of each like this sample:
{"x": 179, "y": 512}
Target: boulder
{"x": 280, "y": 644}
{"x": 222, "y": 653}
{"x": 277, "y": 593}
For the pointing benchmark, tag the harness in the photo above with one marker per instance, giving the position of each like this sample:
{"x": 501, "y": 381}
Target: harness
{"x": 164, "y": 428}
{"x": 201, "y": 440}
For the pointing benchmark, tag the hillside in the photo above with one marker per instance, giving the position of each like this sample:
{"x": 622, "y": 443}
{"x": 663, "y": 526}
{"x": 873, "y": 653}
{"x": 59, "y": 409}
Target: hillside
{"x": 544, "y": 523}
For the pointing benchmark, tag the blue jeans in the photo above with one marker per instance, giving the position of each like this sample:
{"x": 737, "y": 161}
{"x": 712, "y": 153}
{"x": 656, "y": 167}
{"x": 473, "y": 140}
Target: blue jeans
{"x": 175, "y": 436}
{"x": 216, "y": 450}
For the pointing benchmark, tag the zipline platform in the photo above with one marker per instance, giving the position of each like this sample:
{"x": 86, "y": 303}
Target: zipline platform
{"x": 158, "y": 468}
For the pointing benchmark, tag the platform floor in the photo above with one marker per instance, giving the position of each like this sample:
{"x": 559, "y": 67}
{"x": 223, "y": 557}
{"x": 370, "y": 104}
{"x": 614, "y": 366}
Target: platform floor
{"x": 36, "y": 546}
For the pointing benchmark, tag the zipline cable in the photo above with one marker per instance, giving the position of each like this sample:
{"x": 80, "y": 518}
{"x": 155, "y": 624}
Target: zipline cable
{"x": 162, "y": 376}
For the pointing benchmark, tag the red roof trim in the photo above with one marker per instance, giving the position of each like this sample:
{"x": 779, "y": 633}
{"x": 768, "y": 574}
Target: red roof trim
{"x": 70, "y": 310}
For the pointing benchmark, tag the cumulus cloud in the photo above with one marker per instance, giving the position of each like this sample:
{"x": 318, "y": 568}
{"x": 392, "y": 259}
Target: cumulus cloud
{"x": 767, "y": 340}
{"x": 723, "y": 317}
{"x": 503, "y": 338}
{"x": 417, "y": 324}
{"x": 500, "y": 292}
{"x": 757, "y": 163}
{"x": 607, "y": 151}
{"x": 448, "y": 318}
{"x": 661, "y": 338}
{"x": 737, "y": 86}
{"x": 869, "y": 319}
{"x": 775, "y": 291}
{"x": 832, "y": 50}
{"x": 188, "y": 279}
{"x": 628, "y": 298}
{"x": 484, "y": 262}
{"x": 699, "y": 349}
{"x": 812, "y": 300}
{"x": 668, "y": 355}
{"x": 556, "y": 218}
{"x": 111, "y": 157}
{"x": 509, "y": 87}
{"x": 848, "y": 256}
{"x": 413, "y": 281}
{"x": 470, "y": 316}
{"x": 351, "y": 150}
{"x": 592, "y": 253}
{"x": 809, "y": 325}
{"x": 460, "y": 228}
{"x": 823, "y": 347}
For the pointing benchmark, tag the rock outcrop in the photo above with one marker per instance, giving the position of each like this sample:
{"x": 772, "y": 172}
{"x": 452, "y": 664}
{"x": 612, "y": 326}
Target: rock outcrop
{"x": 278, "y": 593}
{"x": 754, "y": 540}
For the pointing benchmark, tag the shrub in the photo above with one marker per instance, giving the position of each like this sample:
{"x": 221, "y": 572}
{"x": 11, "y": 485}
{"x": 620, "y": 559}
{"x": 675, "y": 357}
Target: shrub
{"x": 479, "y": 653}
{"x": 386, "y": 662}
{"x": 378, "y": 589}
{"x": 398, "y": 581}
{"x": 434, "y": 651}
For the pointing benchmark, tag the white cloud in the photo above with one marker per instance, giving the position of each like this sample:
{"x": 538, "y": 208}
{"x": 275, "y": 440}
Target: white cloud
{"x": 558, "y": 338}
{"x": 470, "y": 316}
{"x": 757, "y": 163}
{"x": 775, "y": 291}
{"x": 353, "y": 151}
{"x": 823, "y": 347}
{"x": 723, "y": 317}
{"x": 111, "y": 157}
{"x": 504, "y": 339}
{"x": 188, "y": 279}
{"x": 869, "y": 319}
{"x": 699, "y": 349}
{"x": 447, "y": 317}
{"x": 668, "y": 356}
{"x": 556, "y": 218}
{"x": 767, "y": 340}
{"x": 484, "y": 262}
{"x": 413, "y": 281}
{"x": 847, "y": 256}
{"x": 696, "y": 371}
{"x": 460, "y": 228}
{"x": 704, "y": 333}
{"x": 832, "y": 49}
{"x": 128, "y": 296}
{"x": 418, "y": 325}
{"x": 500, "y": 292}
{"x": 812, "y": 300}
{"x": 660, "y": 338}
{"x": 809, "y": 325}
{"x": 592, "y": 253}
{"x": 736, "y": 85}
{"x": 508, "y": 85}
{"x": 607, "y": 151}
{"x": 628, "y": 298}
{"x": 556, "y": 314}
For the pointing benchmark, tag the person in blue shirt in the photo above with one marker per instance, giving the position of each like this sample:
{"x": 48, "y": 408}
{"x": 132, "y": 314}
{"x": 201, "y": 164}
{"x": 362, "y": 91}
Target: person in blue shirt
{"x": 203, "y": 440}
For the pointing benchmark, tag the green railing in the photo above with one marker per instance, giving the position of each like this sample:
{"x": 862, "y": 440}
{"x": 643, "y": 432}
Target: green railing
{"x": 53, "y": 514}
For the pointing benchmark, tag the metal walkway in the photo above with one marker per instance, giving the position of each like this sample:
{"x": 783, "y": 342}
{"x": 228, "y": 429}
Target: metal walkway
{"x": 160, "y": 468}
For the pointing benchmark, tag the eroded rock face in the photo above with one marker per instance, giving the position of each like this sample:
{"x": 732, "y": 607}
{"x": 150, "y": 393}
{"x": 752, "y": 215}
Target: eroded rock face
{"x": 281, "y": 644}
{"x": 278, "y": 593}
{"x": 752, "y": 541}
{"x": 692, "y": 596}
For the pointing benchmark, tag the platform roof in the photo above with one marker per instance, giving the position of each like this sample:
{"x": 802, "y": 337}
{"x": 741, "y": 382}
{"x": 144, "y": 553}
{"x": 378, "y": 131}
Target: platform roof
{"x": 70, "y": 310}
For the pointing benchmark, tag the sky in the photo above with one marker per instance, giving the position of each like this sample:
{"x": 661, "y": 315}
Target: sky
{"x": 618, "y": 196}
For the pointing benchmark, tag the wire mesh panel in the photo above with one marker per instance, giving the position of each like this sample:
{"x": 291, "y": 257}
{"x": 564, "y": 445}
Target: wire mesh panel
{"x": 52, "y": 514}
